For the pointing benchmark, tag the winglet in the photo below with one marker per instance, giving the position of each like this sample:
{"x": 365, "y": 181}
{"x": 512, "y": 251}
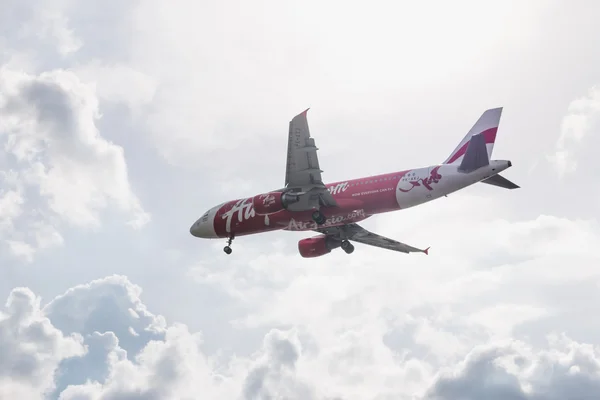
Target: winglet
{"x": 426, "y": 251}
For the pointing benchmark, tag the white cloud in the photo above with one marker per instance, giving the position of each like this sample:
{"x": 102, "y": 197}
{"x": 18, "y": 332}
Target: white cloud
{"x": 113, "y": 303}
{"x": 51, "y": 24}
{"x": 35, "y": 34}
{"x": 120, "y": 84}
{"x": 501, "y": 319}
{"x": 291, "y": 363}
{"x": 582, "y": 116}
{"x": 10, "y": 208}
{"x": 515, "y": 371}
{"x": 48, "y": 124}
{"x": 21, "y": 249}
{"x": 198, "y": 80}
{"x": 274, "y": 371}
{"x": 31, "y": 347}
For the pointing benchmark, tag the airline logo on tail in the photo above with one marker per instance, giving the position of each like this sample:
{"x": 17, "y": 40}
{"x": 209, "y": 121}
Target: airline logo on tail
{"x": 434, "y": 177}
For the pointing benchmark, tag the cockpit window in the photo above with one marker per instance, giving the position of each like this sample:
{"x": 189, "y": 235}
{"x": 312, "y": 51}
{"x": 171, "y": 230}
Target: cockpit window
{"x": 204, "y": 218}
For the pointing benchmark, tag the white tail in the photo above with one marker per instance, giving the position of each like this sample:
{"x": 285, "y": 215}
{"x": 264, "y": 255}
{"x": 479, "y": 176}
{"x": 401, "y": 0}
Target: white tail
{"x": 487, "y": 126}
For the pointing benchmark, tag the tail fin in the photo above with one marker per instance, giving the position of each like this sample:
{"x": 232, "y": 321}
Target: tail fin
{"x": 476, "y": 155}
{"x": 486, "y": 126}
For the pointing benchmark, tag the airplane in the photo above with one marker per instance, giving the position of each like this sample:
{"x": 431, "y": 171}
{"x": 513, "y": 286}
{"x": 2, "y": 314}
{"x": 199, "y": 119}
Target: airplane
{"x": 333, "y": 210}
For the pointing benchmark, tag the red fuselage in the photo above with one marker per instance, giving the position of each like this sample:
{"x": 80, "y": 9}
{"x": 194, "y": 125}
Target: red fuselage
{"x": 357, "y": 200}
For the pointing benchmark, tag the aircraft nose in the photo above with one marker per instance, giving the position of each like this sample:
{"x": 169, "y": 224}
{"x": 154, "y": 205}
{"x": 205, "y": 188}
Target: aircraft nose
{"x": 203, "y": 228}
{"x": 194, "y": 229}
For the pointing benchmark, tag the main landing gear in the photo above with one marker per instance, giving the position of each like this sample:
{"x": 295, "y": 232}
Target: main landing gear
{"x": 227, "y": 249}
{"x": 347, "y": 247}
{"x": 318, "y": 217}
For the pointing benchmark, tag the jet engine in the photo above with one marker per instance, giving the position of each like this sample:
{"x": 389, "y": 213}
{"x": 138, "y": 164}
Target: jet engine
{"x": 317, "y": 246}
{"x": 269, "y": 203}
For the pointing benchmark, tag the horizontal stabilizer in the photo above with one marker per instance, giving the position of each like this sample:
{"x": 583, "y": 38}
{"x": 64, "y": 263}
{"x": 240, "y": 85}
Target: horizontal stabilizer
{"x": 500, "y": 181}
{"x": 476, "y": 155}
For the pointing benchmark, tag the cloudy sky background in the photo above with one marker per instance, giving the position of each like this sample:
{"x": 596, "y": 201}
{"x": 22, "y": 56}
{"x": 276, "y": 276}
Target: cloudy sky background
{"x": 122, "y": 122}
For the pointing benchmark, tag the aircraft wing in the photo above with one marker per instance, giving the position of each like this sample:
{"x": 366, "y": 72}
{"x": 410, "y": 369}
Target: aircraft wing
{"x": 356, "y": 233}
{"x": 303, "y": 173}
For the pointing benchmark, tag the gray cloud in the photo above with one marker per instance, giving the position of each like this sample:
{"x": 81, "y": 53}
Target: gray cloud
{"x": 568, "y": 370}
{"x": 274, "y": 375}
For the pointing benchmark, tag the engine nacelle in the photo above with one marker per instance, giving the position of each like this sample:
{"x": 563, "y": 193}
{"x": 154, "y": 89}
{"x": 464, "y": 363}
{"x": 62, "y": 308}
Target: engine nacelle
{"x": 270, "y": 203}
{"x": 317, "y": 246}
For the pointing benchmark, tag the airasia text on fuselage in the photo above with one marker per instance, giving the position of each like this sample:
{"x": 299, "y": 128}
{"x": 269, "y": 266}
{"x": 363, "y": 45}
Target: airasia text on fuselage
{"x": 307, "y": 225}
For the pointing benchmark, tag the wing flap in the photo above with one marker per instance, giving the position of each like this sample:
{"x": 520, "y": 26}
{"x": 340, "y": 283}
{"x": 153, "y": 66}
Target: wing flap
{"x": 357, "y": 233}
{"x": 376, "y": 240}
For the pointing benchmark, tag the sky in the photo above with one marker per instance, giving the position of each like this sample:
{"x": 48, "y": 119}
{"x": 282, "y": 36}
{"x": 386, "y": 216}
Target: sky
{"x": 121, "y": 123}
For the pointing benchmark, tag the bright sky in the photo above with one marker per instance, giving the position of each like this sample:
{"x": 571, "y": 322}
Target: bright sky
{"x": 121, "y": 123}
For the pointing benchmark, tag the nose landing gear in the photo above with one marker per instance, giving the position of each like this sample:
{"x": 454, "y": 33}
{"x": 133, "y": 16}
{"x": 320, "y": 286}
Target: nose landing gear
{"x": 227, "y": 249}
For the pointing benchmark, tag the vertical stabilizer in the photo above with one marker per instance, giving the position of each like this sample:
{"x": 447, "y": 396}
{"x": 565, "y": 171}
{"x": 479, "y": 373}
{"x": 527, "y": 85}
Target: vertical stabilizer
{"x": 476, "y": 155}
{"x": 486, "y": 126}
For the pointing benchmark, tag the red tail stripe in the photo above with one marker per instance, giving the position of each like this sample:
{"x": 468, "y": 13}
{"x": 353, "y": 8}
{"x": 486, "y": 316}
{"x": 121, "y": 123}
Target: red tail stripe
{"x": 490, "y": 137}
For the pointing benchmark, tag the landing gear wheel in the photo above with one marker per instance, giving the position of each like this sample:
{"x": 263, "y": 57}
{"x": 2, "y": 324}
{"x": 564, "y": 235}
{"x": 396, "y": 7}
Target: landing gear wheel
{"x": 227, "y": 249}
{"x": 347, "y": 247}
{"x": 318, "y": 217}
